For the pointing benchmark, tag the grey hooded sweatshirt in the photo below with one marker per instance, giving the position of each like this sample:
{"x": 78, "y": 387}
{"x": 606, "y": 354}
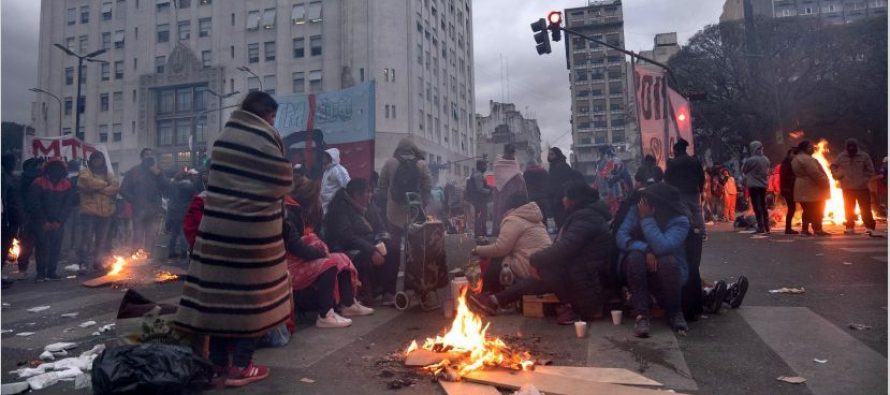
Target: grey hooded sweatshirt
{"x": 756, "y": 168}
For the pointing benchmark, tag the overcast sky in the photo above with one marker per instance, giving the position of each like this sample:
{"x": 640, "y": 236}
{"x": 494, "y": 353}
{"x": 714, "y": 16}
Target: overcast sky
{"x": 539, "y": 84}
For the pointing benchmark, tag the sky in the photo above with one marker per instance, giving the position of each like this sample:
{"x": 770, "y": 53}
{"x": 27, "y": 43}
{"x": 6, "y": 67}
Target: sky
{"x": 539, "y": 85}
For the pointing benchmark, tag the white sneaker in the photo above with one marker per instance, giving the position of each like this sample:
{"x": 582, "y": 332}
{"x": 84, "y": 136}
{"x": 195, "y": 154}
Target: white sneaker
{"x": 332, "y": 320}
{"x": 356, "y": 310}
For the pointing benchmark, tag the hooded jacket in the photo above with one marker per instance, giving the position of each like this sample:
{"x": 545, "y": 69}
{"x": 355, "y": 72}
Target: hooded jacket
{"x": 536, "y": 182}
{"x": 347, "y": 226}
{"x": 810, "y": 180}
{"x": 756, "y": 167}
{"x": 397, "y": 214}
{"x": 97, "y": 193}
{"x": 523, "y": 233}
{"x": 144, "y": 189}
{"x": 686, "y": 174}
{"x": 47, "y": 201}
{"x": 855, "y": 171}
{"x": 335, "y": 177}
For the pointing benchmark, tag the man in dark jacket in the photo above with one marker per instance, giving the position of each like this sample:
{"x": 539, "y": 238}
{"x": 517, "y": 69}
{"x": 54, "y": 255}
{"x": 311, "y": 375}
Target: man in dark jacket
{"x": 143, "y": 187}
{"x": 536, "y": 179}
{"x": 479, "y": 194}
{"x": 786, "y": 188}
{"x": 50, "y": 199}
{"x": 560, "y": 175}
{"x": 31, "y": 170}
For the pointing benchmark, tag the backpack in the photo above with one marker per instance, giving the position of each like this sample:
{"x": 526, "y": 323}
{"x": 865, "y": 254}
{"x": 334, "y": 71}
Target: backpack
{"x": 406, "y": 179}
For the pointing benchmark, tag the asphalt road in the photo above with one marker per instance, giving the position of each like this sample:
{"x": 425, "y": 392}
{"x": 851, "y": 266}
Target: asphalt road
{"x": 736, "y": 352}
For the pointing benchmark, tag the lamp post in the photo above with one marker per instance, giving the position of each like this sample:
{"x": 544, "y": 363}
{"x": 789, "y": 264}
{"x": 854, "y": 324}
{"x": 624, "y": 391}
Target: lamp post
{"x": 80, "y": 59}
{"x": 50, "y": 94}
{"x": 219, "y": 107}
{"x": 249, "y": 71}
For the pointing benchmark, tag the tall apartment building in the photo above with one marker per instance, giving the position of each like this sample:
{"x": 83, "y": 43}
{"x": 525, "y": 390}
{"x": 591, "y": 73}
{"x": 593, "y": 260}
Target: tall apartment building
{"x": 506, "y": 125}
{"x": 601, "y": 116}
{"x": 831, "y": 11}
{"x": 163, "y": 57}
{"x": 665, "y": 45}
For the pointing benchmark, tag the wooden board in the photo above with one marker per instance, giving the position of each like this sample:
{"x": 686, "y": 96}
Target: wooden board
{"x": 601, "y": 375}
{"x": 102, "y": 281}
{"x": 553, "y": 385}
{"x": 421, "y": 357}
{"x": 533, "y": 305}
{"x": 467, "y": 388}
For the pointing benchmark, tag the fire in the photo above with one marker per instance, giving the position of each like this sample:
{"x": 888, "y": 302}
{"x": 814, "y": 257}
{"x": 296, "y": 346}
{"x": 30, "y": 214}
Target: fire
{"x": 14, "y": 250}
{"x": 834, "y": 207}
{"x": 467, "y": 337}
{"x": 139, "y": 254}
{"x": 164, "y": 276}
{"x": 117, "y": 266}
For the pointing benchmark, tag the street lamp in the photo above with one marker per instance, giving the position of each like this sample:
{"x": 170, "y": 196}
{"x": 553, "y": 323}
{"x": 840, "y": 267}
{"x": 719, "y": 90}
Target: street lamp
{"x": 249, "y": 71}
{"x": 80, "y": 58}
{"x": 219, "y": 108}
{"x": 50, "y": 94}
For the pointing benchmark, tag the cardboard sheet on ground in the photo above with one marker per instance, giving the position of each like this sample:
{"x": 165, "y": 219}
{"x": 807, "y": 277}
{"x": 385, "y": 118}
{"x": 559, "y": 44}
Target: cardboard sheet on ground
{"x": 467, "y": 388}
{"x": 552, "y": 384}
{"x": 421, "y": 357}
{"x": 601, "y": 375}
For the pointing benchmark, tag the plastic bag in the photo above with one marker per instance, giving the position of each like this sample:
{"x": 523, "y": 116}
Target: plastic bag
{"x": 150, "y": 369}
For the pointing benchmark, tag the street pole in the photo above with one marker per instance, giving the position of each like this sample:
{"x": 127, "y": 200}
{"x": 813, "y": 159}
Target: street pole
{"x": 249, "y": 71}
{"x": 80, "y": 58}
{"x": 58, "y": 100}
{"x": 219, "y": 107}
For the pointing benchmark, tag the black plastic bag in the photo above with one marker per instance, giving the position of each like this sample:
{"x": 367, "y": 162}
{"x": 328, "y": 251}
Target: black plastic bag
{"x": 150, "y": 369}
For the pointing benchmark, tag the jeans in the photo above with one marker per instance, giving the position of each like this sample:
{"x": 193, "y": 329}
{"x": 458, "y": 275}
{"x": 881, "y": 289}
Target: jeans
{"x": 320, "y": 295}
{"x": 480, "y": 219}
{"x": 863, "y": 197}
{"x": 231, "y": 351}
{"x": 145, "y": 229}
{"x": 177, "y": 237}
{"x": 666, "y": 283}
{"x": 48, "y": 249}
{"x": 94, "y": 239}
{"x": 792, "y": 208}
{"x": 812, "y": 214}
{"x": 758, "y": 201}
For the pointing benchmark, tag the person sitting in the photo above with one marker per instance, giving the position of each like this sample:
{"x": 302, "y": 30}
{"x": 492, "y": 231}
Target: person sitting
{"x": 652, "y": 240}
{"x": 575, "y": 267}
{"x": 348, "y": 227}
{"x": 522, "y": 234}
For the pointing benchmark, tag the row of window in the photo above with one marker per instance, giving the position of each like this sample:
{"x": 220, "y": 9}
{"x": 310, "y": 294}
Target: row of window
{"x": 599, "y": 106}
{"x": 105, "y": 12}
{"x": 270, "y": 50}
{"x": 178, "y": 131}
{"x": 602, "y": 137}
{"x": 266, "y": 18}
{"x": 116, "y": 132}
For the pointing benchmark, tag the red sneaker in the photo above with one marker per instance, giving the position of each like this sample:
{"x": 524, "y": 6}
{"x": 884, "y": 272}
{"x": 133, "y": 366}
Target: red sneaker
{"x": 239, "y": 377}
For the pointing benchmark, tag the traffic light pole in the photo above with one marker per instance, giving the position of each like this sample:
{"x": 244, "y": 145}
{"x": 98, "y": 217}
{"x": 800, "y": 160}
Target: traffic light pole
{"x": 619, "y": 49}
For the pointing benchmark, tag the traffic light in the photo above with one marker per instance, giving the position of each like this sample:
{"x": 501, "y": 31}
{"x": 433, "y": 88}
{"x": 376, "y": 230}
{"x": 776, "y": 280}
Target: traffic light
{"x": 554, "y": 19}
{"x": 541, "y": 39}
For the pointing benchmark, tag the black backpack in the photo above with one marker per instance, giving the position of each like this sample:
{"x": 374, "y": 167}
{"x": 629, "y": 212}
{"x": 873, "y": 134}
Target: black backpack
{"x": 406, "y": 179}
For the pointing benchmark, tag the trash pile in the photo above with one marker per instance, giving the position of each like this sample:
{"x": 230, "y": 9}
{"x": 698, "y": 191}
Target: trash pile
{"x": 48, "y": 374}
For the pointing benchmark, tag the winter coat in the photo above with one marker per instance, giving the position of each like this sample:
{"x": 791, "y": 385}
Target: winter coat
{"x": 396, "y": 213}
{"x": 181, "y": 194}
{"x": 335, "y": 177}
{"x": 523, "y": 233}
{"x": 810, "y": 182}
{"x": 480, "y": 193}
{"x": 508, "y": 182}
{"x": 237, "y": 284}
{"x": 347, "y": 227}
{"x": 786, "y": 178}
{"x": 47, "y": 201}
{"x": 192, "y": 219}
{"x": 686, "y": 174}
{"x": 97, "y": 193}
{"x": 645, "y": 236}
{"x": 144, "y": 189}
{"x": 536, "y": 182}
{"x": 853, "y": 172}
{"x": 756, "y": 167}
{"x": 581, "y": 253}
{"x": 560, "y": 175}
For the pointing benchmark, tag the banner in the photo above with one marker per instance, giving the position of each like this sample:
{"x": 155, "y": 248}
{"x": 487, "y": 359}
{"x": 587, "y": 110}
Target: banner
{"x": 345, "y": 117}
{"x": 663, "y": 114}
{"x": 66, "y": 148}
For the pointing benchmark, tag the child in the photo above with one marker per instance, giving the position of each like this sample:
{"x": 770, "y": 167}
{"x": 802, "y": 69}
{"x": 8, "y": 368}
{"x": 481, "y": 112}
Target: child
{"x": 731, "y": 192}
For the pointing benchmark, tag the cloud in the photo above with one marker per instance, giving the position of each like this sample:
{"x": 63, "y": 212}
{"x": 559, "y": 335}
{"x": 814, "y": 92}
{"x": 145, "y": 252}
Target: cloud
{"x": 20, "y": 31}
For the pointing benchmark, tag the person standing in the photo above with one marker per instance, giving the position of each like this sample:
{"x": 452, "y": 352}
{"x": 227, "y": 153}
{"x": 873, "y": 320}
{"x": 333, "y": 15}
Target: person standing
{"x": 237, "y": 288}
{"x": 756, "y": 170}
{"x": 32, "y": 169}
{"x": 508, "y": 181}
{"x": 182, "y": 190}
{"x": 406, "y": 172}
{"x": 479, "y": 194}
{"x": 335, "y": 177}
{"x": 786, "y": 188}
{"x": 854, "y": 169}
{"x": 98, "y": 188}
{"x": 560, "y": 175}
{"x": 811, "y": 187}
{"x": 730, "y": 194}
{"x": 50, "y": 199}
{"x": 143, "y": 187}
{"x": 12, "y": 204}
{"x": 536, "y": 178}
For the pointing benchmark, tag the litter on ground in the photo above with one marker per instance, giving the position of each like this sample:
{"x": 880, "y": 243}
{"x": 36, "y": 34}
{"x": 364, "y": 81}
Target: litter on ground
{"x": 785, "y": 290}
{"x": 24, "y": 334}
{"x": 859, "y": 327}
{"x": 817, "y": 360}
{"x": 38, "y": 309}
{"x": 70, "y": 315}
{"x": 792, "y": 379}
{"x": 87, "y": 324}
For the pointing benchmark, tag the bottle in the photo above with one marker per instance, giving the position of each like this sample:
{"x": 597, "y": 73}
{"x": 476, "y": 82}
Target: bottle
{"x": 507, "y": 277}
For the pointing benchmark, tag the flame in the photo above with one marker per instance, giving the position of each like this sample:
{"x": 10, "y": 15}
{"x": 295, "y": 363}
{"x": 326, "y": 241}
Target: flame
{"x": 164, "y": 276}
{"x": 15, "y": 250}
{"x": 467, "y": 338}
{"x": 834, "y": 207}
{"x": 117, "y": 266}
{"x": 139, "y": 254}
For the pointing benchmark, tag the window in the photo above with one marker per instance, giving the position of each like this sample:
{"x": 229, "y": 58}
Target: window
{"x": 206, "y": 2}
{"x": 315, "y": 45}
{"x": 163, "y": 5}
{"x": 253, "y": 53}
{"x": 106, "y": 40}
{"x": 298, "y": 14}
{"x": 199, "y": 102}
{"x": 253, "y": 84}
{"x": 117, "y": 132}
{"x": 103, "y": 133}
{"x": 163, "y": 33}
{"x": 183, "y": 131}
{"x": 185, "y": 30}
{"x": 269, "y": 49}
{"x": 206, "y": 58}
{"x": 269, "y": 18}
{"x": 299, "y": 82}
{"x": 68, "y": 105}
{"x": 299, "y": 47}
{"x": 105, "y": 71}
{"x": 83, "y": 44}
{"x": 160, "y": 62}
{"x": 103, "y": 102}
{"x": 315, "y": 84}
{"x": 69, "y": 75}
{"x": 315, "y": 11}
{"x": 165, "y": 132}
{"x": 69, "y": 43}
{"x": 387, "y": 111}
{"x": 233, "y": 19}
{"x": 165, "y": 101}
{"x": 807, "y": 10}
{"x": 135, "y": 64}
{"x": 617, "y": 122}
{"x": 420, "y": 123}
{"x": 183, "y": 3}
{"x": 119, "y": 70}
{"x": 117, "y": 101}
{"x": 200, "y": 128}
{"x": 618, "y": 136}
{"x": 253, "y": 20}
{"x": 85, "y": 14}
{"x": 106, "y": 11}
{"x": 72, "y": 16}
{"x": 393, "y": 111}
{"x": 119, "y": 38}
{"x": 183, "y": 99}
{"x": 419, "y": 54}
{"x": 269, "y": 84}
{"x": 204, "y": 27}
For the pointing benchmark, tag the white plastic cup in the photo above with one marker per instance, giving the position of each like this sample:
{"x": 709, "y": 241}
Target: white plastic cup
{"x": 580, "y": 328}
{"x": 616, "y": 317}
{"x": 381, "y": 248}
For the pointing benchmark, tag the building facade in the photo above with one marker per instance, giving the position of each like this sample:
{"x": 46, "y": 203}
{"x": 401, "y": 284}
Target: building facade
{"x": 665, "y": 45}
{"x": 831, "y": 11}
{"x": 506, "y": 125}
{"x": 169, "y": 65}
{"x": 600, "y": 86}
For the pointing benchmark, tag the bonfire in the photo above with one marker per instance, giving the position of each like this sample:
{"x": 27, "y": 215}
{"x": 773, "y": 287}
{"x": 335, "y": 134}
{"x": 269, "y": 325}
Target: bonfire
{"x": 834, "y": 207}
{"x": 117, "y": 266}
{"x": 14, "y": 251}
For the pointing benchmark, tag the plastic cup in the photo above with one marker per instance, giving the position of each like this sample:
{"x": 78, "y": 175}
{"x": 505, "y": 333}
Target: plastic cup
{"x": 616, "y": 317}
{"x": 580, "y": 328}
{"x": 381, "y": 248}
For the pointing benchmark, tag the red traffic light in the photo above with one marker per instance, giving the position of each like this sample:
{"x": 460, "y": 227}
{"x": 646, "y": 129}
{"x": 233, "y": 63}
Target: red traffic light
{"x": 554, "y": 18}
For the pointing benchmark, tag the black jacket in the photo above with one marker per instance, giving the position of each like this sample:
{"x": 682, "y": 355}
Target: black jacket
{"x": 293, "y": 234}
{"x": 346, "y": 226}
{"x": 582, "y": 252}
{"x": 47, "y": 201}
{"x": 536, "y": 182}
{"x": 786, "y": 178}
{"x": 560, "y": 175}
{"x": 686, "y": 174}
{"x": 144, "y": 189}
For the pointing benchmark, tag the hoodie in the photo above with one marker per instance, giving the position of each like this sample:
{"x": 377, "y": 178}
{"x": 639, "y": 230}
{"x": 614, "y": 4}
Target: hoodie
{"x": 756, "y": 168}
{"x": 853, "y": 171}
{"x": 522, "y": 234}
{"x": 48, "y": 201}
{"x": 396, "y": 214}
{"x": 335, "y": 177}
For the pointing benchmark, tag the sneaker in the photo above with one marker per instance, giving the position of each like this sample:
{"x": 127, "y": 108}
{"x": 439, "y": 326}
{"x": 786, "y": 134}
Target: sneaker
{"x": 239, "y": 377}
{"x": 850, "y": 232}
{"x": 40, "y": 279}
{"x": 565, "y": 315}
{"x": 356, "y": 310}
{"x": 737, "y": 292}
{"x": 332, "y": 320}
{"x": 718, "y": 294}
{"x": 483, "y": 303}
{"x": 641, "y": 326}
{"x": 388, "y": 300}
{"x": 678, "y": 323}
{"x": 791, "y": 232}
{"x": 821, "y": 233}
{"x": 53, "y": 278}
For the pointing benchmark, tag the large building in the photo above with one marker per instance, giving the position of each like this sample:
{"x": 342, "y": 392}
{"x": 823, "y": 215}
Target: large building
{"x": 664, "y": 47}
{"x": 164, "y": 57}
{"x": 832, "y": 11}
{"x": 506, "y": 125}
{"x": 601, "y": 116}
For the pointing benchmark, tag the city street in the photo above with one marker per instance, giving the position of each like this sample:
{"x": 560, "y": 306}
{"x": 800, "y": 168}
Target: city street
{"x": 740, "y": 351}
